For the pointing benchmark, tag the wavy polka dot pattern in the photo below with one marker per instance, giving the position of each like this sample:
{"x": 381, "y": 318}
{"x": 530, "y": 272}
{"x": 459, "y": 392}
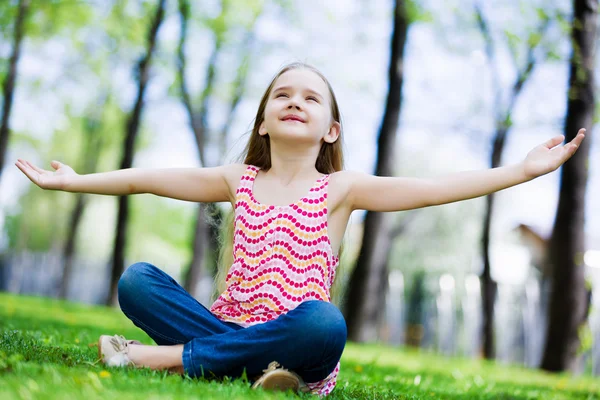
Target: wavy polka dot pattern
{"x": 282, "y": 257}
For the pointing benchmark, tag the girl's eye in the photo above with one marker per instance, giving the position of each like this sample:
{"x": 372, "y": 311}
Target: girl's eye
{"x": 281, "y": 95}
{"x": 312, "y": 98}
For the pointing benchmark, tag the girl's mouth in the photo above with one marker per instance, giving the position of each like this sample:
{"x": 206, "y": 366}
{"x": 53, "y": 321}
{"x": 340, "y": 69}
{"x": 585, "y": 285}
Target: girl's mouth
{"x": 293, "y": 118}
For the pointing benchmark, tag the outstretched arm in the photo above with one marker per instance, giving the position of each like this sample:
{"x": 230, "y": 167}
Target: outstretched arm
{"x": 191, "y": 184}
{"x": 374, "y": 193}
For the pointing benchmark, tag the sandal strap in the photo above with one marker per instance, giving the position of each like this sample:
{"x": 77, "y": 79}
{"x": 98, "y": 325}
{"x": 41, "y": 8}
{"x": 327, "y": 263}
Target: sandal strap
{"x": 273, "y": 365}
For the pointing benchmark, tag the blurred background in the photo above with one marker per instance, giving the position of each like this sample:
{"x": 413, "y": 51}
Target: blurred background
{"x": 426, "y": 88}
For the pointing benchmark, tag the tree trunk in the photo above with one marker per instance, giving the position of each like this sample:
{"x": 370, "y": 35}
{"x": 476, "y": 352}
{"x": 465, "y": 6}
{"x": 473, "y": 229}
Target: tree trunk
{"x": 198, "y": 264}
{"x": 11, "y": 77}
{"x": 206, "y": 234}
{"x": 569, "y": 301}
{"x": 198, "y": 125}
{"x": 502, "y": 123}
{"x": 488, "y": 285}
{"x": 69, "y": 249}
{"x": 369, "y": 280}
{"x": 91, "y": 154}
{"x": 118, "y": 259}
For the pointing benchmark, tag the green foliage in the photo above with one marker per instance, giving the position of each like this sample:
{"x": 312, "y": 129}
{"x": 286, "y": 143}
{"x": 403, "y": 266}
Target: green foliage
{"x": 40, "y": 223}
{"x": 126, "y": 25}
{"x": 48, "y": 350}
{"x": 8, "y": 13}
{"x": 416, "y": 12}
{"x": 508, "y": 122}
{"x": 563, "y": 22}
{"x": 586, "y": 339}
{"x": 19, "y": 138}
{"x": 47, "y": 18}
{"x": 542, "y": 13}
{"x": 513, "y": 40}
{"x": 160, "y": 229}
{"x": 234, "y": 17}
{"x": 534, "y": 39}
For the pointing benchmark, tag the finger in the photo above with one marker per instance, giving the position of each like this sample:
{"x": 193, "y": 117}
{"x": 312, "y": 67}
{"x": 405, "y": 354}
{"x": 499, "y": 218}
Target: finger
{"x": 570, "y": 150}
{"x": 579, "y": 138}
{"x": 32, "y": 175}
{"x": 35, "y": 168}
{"x": 555, "y": 141}
{"x": 20, "y": 165}
{"x": 56, "y": 164}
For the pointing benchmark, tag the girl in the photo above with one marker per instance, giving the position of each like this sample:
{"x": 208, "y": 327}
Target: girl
{"x": 292, "y": 201}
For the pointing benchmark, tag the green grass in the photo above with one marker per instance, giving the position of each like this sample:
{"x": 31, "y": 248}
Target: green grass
{"x": 48, "y": 351}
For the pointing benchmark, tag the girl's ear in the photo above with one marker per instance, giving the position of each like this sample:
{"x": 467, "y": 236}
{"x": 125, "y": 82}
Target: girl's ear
{"x": 262, "y": 131}
{"x": 334, "y": 132}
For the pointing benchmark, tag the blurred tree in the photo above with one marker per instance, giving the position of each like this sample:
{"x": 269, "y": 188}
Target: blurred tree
{"x": 502, "y": 124}
{"x": 92, "y": 146}
{"x": 132, "y": 129}
{"x": 369, "y": 280}
{"x": 40, "y": 20}
{"x": 8, "y": 87}
{"x": 205, "y": 242}
{"x": 569, "y": 302}
{"x": 39, "y": 223}
{"x": 94, "y": 50}
{"x": 415, "y": 310}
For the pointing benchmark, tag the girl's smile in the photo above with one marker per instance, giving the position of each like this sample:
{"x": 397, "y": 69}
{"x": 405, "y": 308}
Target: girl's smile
{"x": 293, "y": 118}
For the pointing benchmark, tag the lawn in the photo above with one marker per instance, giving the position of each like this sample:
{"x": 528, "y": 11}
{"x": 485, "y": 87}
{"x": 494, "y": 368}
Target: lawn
{"x": 48, "y": 351}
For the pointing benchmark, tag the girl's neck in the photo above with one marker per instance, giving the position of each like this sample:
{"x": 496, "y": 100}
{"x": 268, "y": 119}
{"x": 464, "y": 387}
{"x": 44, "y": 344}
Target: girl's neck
{"x": 288, "y": 165}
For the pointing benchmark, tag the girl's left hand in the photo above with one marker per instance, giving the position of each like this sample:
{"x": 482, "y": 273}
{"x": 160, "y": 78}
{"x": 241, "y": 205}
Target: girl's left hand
{"x": 548, "y": 156}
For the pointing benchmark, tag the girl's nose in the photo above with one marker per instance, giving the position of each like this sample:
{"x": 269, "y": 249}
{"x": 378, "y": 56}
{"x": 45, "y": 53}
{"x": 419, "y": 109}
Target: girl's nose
{"x": 294, "y": 103}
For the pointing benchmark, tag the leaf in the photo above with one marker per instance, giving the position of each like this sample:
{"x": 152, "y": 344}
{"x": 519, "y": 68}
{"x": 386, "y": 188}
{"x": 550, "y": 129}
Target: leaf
{"x": 534, "y": 39}
{"x": 542, "y": 14}
{"x": 553, "y": 55}
{"x": 563, "y": 23}
{"x": 416, "y": 12}
{"x": 585, "y": 339}
{"x": 513, "y": 39}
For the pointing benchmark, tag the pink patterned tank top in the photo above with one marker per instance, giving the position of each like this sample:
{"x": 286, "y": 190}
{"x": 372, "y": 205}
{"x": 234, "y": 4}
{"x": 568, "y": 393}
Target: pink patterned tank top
{"x": 282, "y": 257}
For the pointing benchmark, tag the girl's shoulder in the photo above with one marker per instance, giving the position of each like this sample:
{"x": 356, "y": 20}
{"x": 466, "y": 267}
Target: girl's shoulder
{"x": 344, "y": 178}
{"x": 340, "y": 188}
{"x": 233, "y": 172}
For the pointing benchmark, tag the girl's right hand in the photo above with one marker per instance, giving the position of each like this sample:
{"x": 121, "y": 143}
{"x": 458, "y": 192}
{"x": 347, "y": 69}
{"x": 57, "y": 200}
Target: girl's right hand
{"x": 47, "y": 179}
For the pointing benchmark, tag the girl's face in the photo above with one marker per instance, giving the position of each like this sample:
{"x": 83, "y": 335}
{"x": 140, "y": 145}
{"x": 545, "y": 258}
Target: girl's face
{"x": 299, "y": 109}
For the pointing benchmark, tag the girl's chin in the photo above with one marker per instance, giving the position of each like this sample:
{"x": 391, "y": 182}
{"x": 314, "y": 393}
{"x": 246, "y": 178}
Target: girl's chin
{"x": 300, "y": 135}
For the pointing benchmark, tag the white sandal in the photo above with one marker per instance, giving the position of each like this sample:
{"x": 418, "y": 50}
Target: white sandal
{"x": 113, "y": 350}
{"x": 278, "y": 378}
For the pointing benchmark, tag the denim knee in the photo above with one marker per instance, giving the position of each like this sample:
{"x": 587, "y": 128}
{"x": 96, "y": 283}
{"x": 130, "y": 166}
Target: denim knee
{"x": 323, "y": 326}
{"x": 133, "y": 283}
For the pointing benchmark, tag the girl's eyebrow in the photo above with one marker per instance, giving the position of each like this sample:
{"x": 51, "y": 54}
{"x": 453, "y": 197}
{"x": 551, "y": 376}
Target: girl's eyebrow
{"x": 306, "y": 90}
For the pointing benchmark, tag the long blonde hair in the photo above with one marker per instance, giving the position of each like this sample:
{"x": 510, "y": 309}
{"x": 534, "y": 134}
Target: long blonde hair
{"x": 258, "y": 153}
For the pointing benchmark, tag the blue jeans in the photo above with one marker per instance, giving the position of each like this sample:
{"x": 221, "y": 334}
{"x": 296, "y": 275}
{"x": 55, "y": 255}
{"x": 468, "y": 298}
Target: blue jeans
{"x": 308, "y": 340}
